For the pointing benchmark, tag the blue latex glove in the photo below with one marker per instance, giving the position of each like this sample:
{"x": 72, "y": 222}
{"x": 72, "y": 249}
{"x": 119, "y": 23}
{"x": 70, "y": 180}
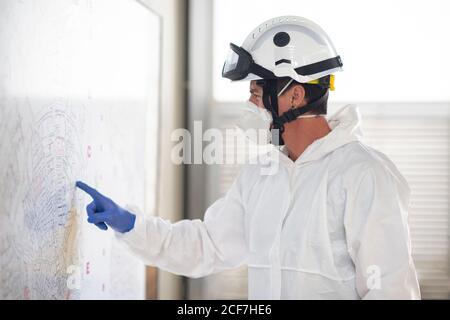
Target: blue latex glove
{"x": 103, "y": 212}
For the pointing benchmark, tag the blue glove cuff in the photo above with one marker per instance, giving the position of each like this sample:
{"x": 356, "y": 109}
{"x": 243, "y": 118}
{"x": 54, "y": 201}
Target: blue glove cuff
{"x": 132, "y": 222}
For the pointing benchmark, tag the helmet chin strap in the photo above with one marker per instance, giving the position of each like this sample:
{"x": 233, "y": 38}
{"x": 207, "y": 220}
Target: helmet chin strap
{"x": 270, "y": 100}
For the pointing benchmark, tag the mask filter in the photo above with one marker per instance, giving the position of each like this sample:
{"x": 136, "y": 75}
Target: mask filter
{"x": 255, "y": 123}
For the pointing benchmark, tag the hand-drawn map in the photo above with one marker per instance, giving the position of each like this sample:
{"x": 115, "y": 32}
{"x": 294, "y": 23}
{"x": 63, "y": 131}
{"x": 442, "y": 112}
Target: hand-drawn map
{"x": 78, "y": 101}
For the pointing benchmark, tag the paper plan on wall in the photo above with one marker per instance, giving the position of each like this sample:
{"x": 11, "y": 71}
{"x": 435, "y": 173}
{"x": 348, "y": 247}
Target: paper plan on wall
{"x": 78, "y": 97}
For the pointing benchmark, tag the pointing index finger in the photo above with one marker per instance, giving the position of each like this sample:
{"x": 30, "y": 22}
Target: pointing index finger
{"x": 97, "y": 196}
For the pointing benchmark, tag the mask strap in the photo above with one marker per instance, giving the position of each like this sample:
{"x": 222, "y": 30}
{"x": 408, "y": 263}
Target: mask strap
{"x": 293, "y": 114}
{"x": 311, "y": 116}
{"x": 270, "y": 100}
{"x": 285, "y": 87}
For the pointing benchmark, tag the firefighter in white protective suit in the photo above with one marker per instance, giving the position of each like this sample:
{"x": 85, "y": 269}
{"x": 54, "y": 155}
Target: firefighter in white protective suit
{"x": 329, "y": 223}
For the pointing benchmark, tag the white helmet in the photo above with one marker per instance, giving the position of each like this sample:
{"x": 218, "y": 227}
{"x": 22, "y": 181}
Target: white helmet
{"x": 287, "y": 46}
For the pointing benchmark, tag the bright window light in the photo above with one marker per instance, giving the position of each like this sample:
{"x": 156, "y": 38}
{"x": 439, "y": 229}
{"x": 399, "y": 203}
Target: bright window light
{"x": 393, "y": 51}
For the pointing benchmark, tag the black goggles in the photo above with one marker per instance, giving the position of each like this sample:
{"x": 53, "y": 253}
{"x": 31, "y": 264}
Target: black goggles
{"x": 240, "y": 63}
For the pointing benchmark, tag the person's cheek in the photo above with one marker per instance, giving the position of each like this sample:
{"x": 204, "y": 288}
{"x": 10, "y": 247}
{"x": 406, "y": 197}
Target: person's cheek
{"x": 253, "y": 99}
{"x": 260, "y": 103}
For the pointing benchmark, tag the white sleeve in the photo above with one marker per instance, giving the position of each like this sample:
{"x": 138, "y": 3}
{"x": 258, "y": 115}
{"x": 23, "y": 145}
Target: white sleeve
{"x": 193, "y": 248}
{"x": 378, "y": 236}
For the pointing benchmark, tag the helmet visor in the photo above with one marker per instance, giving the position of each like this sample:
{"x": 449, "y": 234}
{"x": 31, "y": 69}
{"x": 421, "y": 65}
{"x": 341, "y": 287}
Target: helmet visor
{"x": 231, "y": 62}
{"x": 238, "y": 63}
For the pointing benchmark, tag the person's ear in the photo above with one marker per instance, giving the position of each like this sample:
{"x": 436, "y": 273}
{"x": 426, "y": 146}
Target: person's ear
{"x": 298, "y": 96}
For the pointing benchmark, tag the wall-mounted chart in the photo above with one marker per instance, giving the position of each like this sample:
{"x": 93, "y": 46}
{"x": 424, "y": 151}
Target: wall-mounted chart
{"x": 79, "y": 96}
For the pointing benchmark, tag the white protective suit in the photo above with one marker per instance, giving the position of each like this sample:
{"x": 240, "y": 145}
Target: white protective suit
{"x": 322, "y": 227}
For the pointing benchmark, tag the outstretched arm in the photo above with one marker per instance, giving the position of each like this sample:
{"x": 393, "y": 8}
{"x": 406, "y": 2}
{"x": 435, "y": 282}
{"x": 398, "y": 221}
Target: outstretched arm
{"x": 192, "y": 248}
